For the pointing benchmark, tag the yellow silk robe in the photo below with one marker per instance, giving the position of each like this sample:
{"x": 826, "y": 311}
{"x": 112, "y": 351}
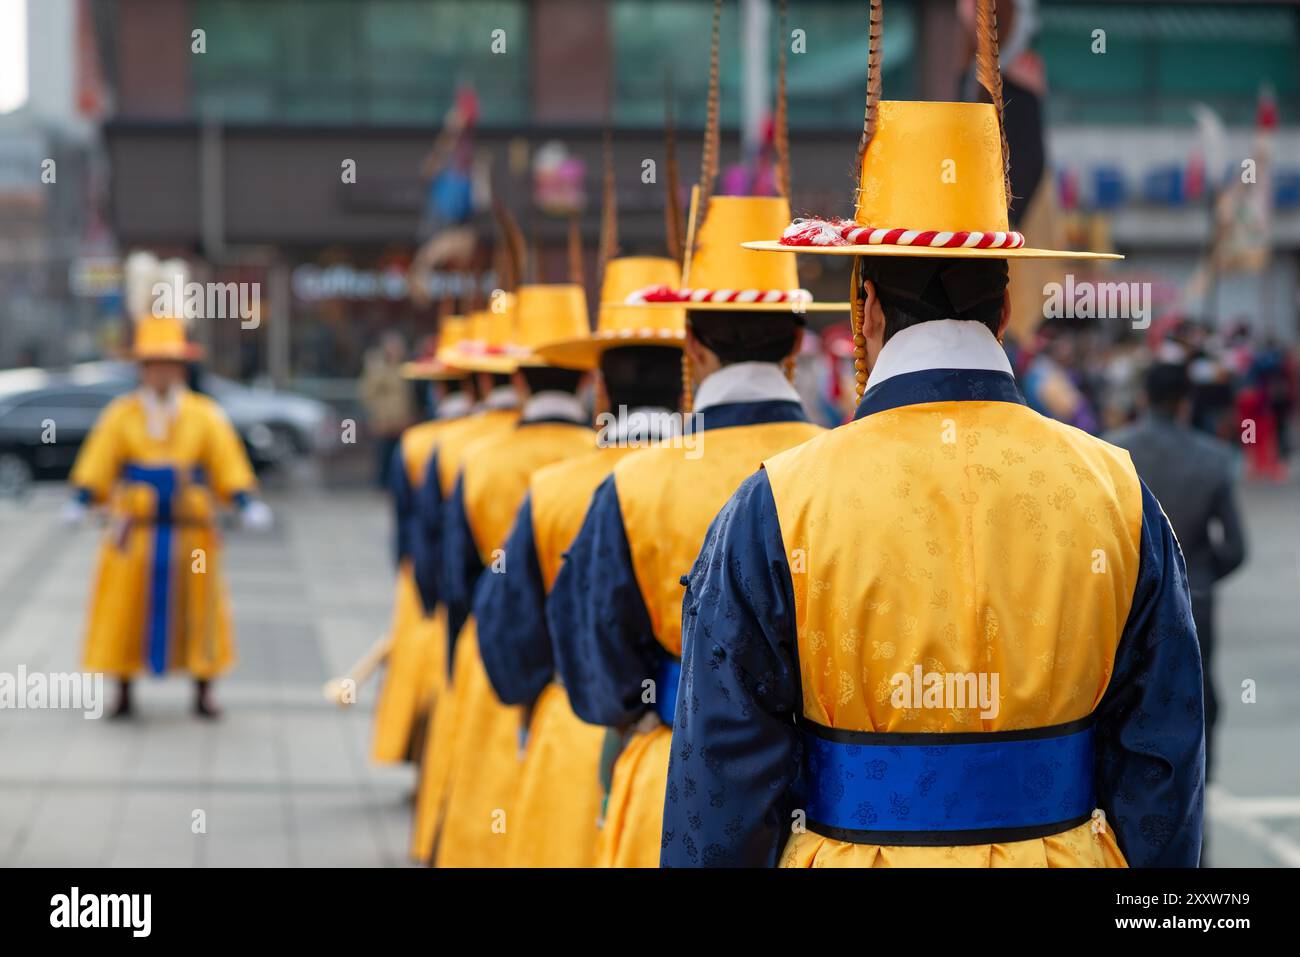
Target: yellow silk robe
{"x": 558, "y": 807}
{"x": 949, "y": 521}
{"x": 412, "y": 680}
{"x": 435, "y": 756}
{"x": 667, "y": 498}
{"x": 484, "y": 773}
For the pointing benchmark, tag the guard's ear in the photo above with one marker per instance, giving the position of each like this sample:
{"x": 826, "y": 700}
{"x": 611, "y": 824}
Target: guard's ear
{"x": 873, "y": 317}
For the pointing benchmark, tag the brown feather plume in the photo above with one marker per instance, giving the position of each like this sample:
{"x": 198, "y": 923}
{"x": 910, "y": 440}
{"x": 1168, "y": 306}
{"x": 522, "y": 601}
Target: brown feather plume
{"x": 989, "y": 74}
{"x": 709, "y": 162}
{"x": 674, "y": 225}
{"x": 608, "y": 248}
{"x": 781, "y": 132}
{"x": 874, "y": 47}
{"x": 513, "y": 247}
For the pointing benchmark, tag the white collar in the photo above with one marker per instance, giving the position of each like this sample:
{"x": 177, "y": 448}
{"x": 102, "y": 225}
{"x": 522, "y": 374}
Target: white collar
{"x": 940, "y": 344}
{"x": 502, "y": 397}
{"x": 745, "y": 382}
{"x": 655, "y": 421}
{"x": 454, "y": 406}
{"x": 160, "y": 411}
{"x": 553, "y": 405}
{"x": 643, "y": 425}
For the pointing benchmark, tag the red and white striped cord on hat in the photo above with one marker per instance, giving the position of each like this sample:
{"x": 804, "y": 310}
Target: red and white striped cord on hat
{"x": 667, "y": 294}
{"x": 843, "y": 232}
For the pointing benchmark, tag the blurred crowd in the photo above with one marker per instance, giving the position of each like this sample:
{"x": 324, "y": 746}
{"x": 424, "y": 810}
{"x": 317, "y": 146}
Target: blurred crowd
{"x": 1243, "y": 386}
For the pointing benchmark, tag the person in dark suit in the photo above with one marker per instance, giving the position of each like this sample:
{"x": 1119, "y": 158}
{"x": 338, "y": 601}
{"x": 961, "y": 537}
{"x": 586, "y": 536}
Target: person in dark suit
{"x": 1194, "y": 478}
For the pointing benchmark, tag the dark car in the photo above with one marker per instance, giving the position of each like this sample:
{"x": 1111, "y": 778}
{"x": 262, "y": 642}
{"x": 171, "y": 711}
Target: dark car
{"x": 43, "y": 420}
{"x": 45, "y": 416}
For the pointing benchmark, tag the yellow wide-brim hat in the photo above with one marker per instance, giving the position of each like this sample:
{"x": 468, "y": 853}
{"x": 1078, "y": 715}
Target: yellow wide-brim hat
{"x": 621, "y": 323}
{"x": 932, "y": 184}
{"x": 720, "y": 277}
{"x": 440, "y": 366}
{"x": 516, "y": 325}
{"x": 489, "y": 345}
{"x": 163, "y": 339}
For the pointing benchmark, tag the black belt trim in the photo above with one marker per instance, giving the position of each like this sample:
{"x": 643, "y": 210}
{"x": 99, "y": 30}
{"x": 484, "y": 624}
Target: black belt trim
{"x": 940, "y": 739}
{"x": 993, "y": 835}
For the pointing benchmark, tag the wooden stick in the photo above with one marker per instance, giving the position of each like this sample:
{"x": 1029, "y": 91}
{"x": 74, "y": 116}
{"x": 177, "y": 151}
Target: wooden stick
{"x": 342, "y": 690}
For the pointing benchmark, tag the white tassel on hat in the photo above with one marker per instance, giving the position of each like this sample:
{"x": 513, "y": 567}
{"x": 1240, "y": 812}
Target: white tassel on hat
{"x": 139, "y": 273}
{"x": 156, "y": 288}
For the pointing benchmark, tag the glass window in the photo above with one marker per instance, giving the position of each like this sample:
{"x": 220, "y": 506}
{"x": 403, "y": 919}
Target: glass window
{"x": 655, "y": 40}
{"x": 351, "y": 62}
{"x": 1159, "y": 59}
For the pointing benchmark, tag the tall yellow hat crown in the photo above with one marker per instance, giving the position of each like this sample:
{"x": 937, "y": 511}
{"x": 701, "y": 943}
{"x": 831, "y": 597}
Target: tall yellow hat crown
{"x": 721, "y": 276}
{"x": 548, "y": 312}
{"x": 508, "y": 333}
{"x": 624, "y": 276}
{"x": 713, "y": 260}
{"x": 452, "y": 332}
{"x": 497, "y": 322}
{"x": 163, "y": 338}
{"x": 621, "y": 323}
{"x": 934, "y": 166}
{"x": 489, "y": 344}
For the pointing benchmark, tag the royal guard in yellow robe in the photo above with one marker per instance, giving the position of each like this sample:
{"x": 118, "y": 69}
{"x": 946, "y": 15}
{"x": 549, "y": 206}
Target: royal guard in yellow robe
{"x": 497, "y": 412}
{"x": 614, "y": 610}
{"x": 162, "y": 461}
{"x": 638, "y": 352}
{"x": 409, "y": 684}
{"x": 493, "y": 480}
{"x": 952, "y": 632}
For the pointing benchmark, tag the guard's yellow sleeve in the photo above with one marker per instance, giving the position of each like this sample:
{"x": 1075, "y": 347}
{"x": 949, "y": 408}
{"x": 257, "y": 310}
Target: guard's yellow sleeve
{"x": 100, "y": 458}
{"x": 227, "y": 462}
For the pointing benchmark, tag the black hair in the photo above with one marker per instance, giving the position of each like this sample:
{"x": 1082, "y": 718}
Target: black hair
{"x": 1167, "y": 384}
{"x": 745, "y": 336}
{"x": 642, "y": 376}
{"x": 551, "y": 379}
{"x": 916, "y": 290}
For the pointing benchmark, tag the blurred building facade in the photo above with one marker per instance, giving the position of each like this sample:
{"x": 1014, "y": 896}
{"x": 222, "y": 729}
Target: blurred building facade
{"x": 233, "y": 155}
{"x": 53, "y": 238}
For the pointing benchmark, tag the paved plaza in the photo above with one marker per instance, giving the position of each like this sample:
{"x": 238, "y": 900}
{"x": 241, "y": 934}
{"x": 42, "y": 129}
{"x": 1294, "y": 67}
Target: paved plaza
{"x": 283, "y": 778}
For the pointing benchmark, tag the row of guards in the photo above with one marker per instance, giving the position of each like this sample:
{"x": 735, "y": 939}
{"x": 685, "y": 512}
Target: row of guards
{"x": 568, "y": 702}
